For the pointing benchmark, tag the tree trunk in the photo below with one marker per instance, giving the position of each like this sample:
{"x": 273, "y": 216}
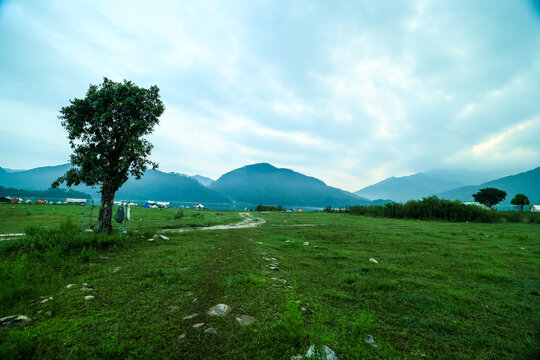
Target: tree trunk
{"x": 105, "y": 211}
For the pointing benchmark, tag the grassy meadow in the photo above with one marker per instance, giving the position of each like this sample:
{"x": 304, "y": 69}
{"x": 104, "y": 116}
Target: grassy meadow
{"x": 440, "y": 290}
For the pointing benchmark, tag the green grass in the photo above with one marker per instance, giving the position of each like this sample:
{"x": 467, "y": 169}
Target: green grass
{"x": 440, "y": 290}
{"x": 15, "y": 217}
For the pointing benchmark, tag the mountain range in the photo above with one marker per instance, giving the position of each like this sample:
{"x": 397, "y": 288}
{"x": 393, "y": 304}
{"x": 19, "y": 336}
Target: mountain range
{"x": 266, "y": 184}
{"x": 453, "y": 185}
{"x": 247, "y": 186}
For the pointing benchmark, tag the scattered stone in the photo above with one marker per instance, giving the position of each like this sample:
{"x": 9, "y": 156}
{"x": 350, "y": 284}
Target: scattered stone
{"x": 173, "y": 308}
{"x": 274, "y": 268}
{"x": 210, "y": 331}
{"x": 368, "y": 339}
{"x": 324, "y": 353}
{"x": 14, "y": 320}
{"x": 189, "y": 293}
{"x": 84, "y": 284}
{"x": 187, "y": 317}
{"x": 116, "y": 269}
{"x": 296, "y": 357}
{"x": 163, "y": 237}
{"x": 288, "y": 241}
{"x": 305, "y": 311}
{"x": 198, "y": 325}
{"x": 41, "y": 299}
{"x": 273, "y": 259}
{"x": 89, "y": 297}
{"x": 306, "y": 243}
{"x": 151, "y": 239}
{"x": 315, "y": 246}
{"x": 88, "y": 288}
{"x": 258, "y": 242}
{"x": 181, "y": 337}
{"x": 194, "y": 300}
{"x": 219, "y": 310}
{"x": 522, "y": 248}
{"x": 245, "y": 319}
{"x": 69, "y": 286}
{"x": 372, "y": 260}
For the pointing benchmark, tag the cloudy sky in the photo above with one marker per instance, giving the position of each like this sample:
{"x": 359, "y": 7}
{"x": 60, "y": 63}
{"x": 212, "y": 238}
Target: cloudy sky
{"x": 351, "y": 92}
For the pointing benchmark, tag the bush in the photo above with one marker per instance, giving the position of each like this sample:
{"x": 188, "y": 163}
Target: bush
{"x": 430, "y": 208}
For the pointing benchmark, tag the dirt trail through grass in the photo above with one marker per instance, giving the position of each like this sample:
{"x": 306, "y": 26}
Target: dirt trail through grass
{"x": 249, "y": 222}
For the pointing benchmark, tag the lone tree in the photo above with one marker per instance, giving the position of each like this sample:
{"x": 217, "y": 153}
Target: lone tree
{"x": 520, "y": 199}
{"x": 105, "y": 131}
{"x": 489, "y": 196}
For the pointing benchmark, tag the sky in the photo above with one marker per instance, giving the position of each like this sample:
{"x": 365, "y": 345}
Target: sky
{"x": 351, "y": 92}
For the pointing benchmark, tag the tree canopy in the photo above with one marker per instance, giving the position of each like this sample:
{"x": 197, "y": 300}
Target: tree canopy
{"x": 489, "y": 196}
{"x": 106, "y": 132}
{"x": 520, "y": 200}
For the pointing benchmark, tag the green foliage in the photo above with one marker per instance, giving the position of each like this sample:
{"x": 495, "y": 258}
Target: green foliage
{"x": 106, "y": 132}
{"x": 179, "y": 214}
{"x": 430, "y": 208}
{"x": 520, "y": 200}
{"x": 489, "y": 196}
{"x": 261, "y": 207}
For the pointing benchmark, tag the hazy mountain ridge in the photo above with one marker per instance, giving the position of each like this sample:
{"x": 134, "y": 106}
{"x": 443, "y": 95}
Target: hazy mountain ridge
{"x": 155, "y": 185}
{"x": 423, "y": 184}
{"x": 265, "y": 184}
{"x": 527, "y": 182}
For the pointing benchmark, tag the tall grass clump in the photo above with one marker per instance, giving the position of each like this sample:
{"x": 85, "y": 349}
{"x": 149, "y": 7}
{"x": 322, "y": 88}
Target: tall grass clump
{"x": 38, "y": 262}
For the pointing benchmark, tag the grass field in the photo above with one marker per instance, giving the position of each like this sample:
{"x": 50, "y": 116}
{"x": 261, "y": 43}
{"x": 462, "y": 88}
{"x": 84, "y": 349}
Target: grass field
{"x": 440, "y": 290}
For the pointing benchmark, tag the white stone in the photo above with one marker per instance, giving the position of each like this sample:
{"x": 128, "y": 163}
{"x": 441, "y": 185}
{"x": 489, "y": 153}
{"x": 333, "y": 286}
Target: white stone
{"x": 187, "y": 317}
{"x": 69, "y": 286}
{"x": 372, "y": 260}
{"x": 368, "y": 339}
{"x": 306, "y": 243}
{"x": 219, "y": 310}
{"x": 210, "y": 331}
{"x": 150, "y": 239}
{"x": 198, "y": 325}
{"x": 116, "y": 269}
{"x": 245, "y": 319}
{"x": 14, "y": 320}
{"x": 88, "y": 297}
{"x": 325, "y": 353}
{"x": 163, "y": 237}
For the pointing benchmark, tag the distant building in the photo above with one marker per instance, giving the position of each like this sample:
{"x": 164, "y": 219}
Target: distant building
{"x": 535, "y": 208}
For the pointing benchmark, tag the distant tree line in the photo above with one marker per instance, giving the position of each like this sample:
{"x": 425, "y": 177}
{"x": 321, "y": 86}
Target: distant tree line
{"x": 433, "y": 208}
{"x": 56, "y": 193}
{"x": 262, "y": 207}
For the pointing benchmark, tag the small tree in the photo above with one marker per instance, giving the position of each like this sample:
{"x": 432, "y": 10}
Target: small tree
{"x": 105, "y": 131}
{"x": 520, "y": 199}
{"x": 489, "y": 196}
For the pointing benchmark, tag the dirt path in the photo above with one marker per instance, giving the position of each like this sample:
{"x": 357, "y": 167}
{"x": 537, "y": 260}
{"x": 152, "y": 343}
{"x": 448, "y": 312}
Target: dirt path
{"x": 249, "y": 222}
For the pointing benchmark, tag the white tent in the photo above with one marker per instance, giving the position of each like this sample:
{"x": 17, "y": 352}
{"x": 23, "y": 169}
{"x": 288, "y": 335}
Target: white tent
{"x": 200, "y": 206}
{"x": 75, "y": 201}
{"x": 535, "y": 208}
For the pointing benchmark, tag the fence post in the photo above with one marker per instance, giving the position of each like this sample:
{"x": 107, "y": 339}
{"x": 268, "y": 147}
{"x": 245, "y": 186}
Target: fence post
{"x": 82, "y": 217}
{"x": 91, "y": 210}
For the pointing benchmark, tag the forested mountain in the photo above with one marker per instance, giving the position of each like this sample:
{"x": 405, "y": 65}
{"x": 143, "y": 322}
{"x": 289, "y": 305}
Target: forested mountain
{"x": 265, "y": 184}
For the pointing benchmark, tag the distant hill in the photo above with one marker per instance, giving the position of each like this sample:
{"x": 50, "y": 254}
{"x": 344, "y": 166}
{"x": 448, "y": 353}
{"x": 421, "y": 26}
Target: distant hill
{"x": 265, "y": 184}
{"x": 423, "y": 184}
{"x": 154, "y": 185}
{"x": 50, "y": 194}
{"x": 206, "y": 181}
{"x": 527, "y": 183}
